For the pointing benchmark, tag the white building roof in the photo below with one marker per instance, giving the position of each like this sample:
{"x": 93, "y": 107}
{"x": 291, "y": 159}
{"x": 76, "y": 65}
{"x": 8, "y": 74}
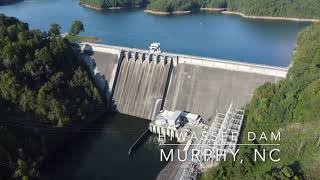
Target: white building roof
{"x": 174, "y": 116}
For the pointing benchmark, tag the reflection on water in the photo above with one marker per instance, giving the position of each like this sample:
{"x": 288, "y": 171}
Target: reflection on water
{"x": 104, "y": 155}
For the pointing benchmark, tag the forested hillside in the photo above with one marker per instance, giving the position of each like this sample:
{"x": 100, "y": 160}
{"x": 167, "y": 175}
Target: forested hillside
{"x": 278, "y": 8}
{"x": 182, "y": 5}
{"x": 292, "y": 107}
{"x": 43, "y": 84}
{"x": 282, "y": 8}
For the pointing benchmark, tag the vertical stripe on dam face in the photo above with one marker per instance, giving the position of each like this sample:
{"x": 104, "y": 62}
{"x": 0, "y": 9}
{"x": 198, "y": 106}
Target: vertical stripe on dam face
{"x": 141, "y": 81}
{"x": 207, "y": 90}
{"x": 200, "y": 85}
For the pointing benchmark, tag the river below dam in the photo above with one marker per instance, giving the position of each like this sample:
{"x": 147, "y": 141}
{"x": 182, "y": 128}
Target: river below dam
{"x": 102, "y": 153}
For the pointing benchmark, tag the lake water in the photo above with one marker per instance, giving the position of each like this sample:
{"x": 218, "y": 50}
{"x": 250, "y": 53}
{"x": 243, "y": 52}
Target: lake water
{"x": 103, "y": 155}
{"x": 202, "y": 34}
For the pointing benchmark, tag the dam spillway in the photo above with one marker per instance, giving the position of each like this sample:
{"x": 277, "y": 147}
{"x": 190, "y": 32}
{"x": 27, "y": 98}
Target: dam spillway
{"x": 140, "y": 83}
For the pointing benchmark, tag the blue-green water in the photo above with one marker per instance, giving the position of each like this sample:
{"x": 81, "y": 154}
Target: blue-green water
{"x": 203, "y": 34}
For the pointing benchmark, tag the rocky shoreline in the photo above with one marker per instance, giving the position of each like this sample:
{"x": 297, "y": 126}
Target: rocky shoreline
{"x": 183, "y": 12}
{"x": 167, "y": 13}
{"x": 213, "y": 9}
{"x": 90, "y": 6}
{"x": 270, "y": 17}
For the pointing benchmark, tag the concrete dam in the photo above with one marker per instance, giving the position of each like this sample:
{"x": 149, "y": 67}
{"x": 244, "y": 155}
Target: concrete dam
{"x": 140, "y": 83}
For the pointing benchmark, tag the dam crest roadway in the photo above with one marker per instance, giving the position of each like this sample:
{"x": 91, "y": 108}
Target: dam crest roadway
{"x": 140, "y": 83}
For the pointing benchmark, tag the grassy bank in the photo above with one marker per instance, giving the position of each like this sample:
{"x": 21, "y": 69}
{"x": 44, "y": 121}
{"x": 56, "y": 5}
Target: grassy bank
{"x": 78, "y": 38}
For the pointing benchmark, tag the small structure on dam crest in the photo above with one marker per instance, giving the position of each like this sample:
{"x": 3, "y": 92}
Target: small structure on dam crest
{"x": 155, "y": 48}
{"x": 140, "y": 83}
{"x": 163, "y": 87}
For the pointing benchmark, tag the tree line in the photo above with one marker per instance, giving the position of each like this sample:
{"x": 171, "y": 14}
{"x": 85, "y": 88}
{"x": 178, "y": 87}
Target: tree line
{"x": 282, "y": 8}
{"x": 115, "y": 3}
{"x": 42, "y": 81}
{"x": 181, "y": 5}
{"x": 291, "y": 106}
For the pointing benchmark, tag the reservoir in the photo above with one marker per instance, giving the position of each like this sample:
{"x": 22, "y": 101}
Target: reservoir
{"x": 203, "y": 34}
{"x": 102, "y": 152}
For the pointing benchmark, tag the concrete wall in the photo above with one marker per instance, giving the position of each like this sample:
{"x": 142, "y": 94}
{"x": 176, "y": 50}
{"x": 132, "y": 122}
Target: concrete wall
{"x": 140, "y": 82}
{"x": 206, "y": 90}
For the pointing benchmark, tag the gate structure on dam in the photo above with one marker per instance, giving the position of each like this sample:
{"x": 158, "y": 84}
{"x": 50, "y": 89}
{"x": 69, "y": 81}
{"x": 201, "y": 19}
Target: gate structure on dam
{"x": 140, "y": 83}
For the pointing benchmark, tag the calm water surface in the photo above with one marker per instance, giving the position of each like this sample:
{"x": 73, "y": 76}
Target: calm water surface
{"x": 101, "y": 153}
{"x": 212, "y": 35}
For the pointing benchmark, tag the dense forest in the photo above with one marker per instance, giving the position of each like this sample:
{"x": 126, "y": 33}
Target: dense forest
{"x": 43, "y": 84}
{"x": 158, "y": 5}
{"x": 280, "y": 8}
{"x": 181, "y": 5}
{"x": 291, "y": 106}
{"x": 114, "y": 3}
{"x": 283, "y": 8}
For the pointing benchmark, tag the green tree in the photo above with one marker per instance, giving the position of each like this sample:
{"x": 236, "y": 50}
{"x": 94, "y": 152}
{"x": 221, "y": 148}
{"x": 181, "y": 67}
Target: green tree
{"x": 76, "y": 27}
{"x": 42, "y": 80}
{"x": 54, "y": 29}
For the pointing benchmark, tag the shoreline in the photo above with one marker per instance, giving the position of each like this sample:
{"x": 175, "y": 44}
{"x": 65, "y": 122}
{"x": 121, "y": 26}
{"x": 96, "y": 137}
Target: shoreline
{"x": 226, "y": 12}
{"x": 91, "y": 39}
{"x": 90, "y": 6}
{"x": 219, "y": 10}
{"x": 269, "y": 17}
{"x": 107, "y": 8}
{"x": 183, "y": 12}
{"x": 167, "y": 13}
{"x": 213, "y": 9}
{"x": 83, "y": 39}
